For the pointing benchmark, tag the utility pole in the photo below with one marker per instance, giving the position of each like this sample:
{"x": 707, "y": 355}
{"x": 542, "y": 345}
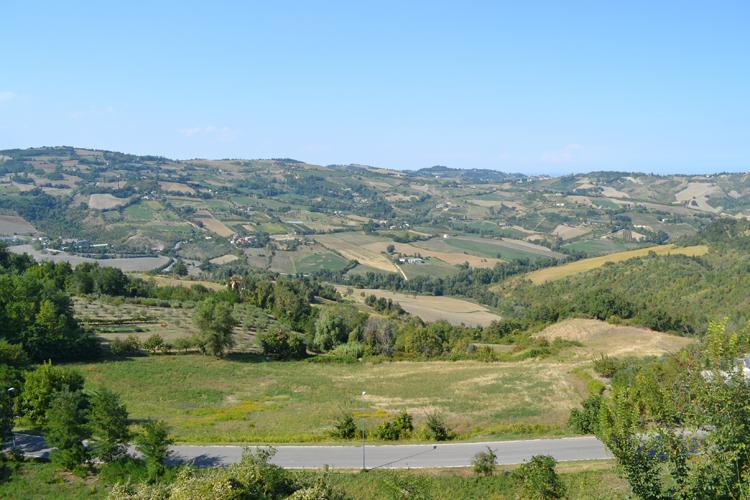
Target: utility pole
{"x": 363, "y": 430}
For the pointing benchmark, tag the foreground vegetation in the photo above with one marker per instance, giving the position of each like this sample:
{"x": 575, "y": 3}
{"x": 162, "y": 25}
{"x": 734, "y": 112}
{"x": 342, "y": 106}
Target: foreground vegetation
{"x": 581, "y": 480}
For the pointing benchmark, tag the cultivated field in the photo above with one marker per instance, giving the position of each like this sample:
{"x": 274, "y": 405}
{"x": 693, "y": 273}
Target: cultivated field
{"x": 126, "y": 265}
{"x": 696, "y": 194}
{"x": 13, "y": 224}
{"x": 224, "y": 259}
{"x": 105, "y": 201}
{"x": 570, "y": 232}
{"x": 353, "y": 246}
{"x": 215, "y": 226}
{"x": 503, "y": 248}
{"x": 451, "y": 257}
{"x": 580, "y": 266}
{"x": 431, "y": 308}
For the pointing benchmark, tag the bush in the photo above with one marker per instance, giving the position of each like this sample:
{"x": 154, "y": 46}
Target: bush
{"x": 538, "y": 478}
{"x": 130, "y": 346}
{"x": 436, "y": 428}
{"x": 584, "y": 419}
{"x": 344, "y": 427}
{"x": 350, "y": 351}
{"x": 184, "y": 344}
{"x": 484, "y": 462}
{"x": 401, "y": 426}
{"x": 154, "y": 343}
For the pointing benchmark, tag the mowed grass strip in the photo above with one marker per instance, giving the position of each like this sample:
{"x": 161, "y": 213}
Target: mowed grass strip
{"x": 580, "y": 266}
{"x": 244, "y": 400}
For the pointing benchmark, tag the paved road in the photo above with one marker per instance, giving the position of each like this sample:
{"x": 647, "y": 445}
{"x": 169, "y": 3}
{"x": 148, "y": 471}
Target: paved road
{"x": 378, "y": 456}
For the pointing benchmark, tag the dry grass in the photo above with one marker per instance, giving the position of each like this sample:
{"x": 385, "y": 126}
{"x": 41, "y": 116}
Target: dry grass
{"x": 698, "y": 192}
{"x": 105, "y": 201}
{"x": 176, "y": 187}
{"x": 224, "y": 259}
{"x": 599, "y": 337}
{"x": 430, "y": 308}
{"x": 580, "y": 266}
{"x": 215, "y": 226}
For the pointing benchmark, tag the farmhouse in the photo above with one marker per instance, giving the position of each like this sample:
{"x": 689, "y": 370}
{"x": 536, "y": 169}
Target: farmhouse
{"x": 411, "y": 260}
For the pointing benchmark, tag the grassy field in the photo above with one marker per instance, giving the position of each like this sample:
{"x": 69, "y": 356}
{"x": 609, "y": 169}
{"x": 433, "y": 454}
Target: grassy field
{"x": 317, "y": 261}
{"x": 580, "y": 266}
{"x": 246, "y": 399}
{"x": 431, "y": 308}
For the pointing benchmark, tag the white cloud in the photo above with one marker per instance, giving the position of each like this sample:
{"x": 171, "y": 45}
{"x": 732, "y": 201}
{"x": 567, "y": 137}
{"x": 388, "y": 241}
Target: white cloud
{"x": 6, "y": 96}
{"x": 222, "y": 134}
{"x": 564, "y": 155}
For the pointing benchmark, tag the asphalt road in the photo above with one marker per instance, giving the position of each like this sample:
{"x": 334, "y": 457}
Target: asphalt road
{"x": 377, "y": 456}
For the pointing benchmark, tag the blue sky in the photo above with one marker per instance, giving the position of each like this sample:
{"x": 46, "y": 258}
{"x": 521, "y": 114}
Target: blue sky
{"x": 535, "y": 87}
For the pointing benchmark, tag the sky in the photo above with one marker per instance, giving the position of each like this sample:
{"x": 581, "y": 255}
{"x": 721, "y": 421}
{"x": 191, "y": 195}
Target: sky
{"x": 534, "y": 87}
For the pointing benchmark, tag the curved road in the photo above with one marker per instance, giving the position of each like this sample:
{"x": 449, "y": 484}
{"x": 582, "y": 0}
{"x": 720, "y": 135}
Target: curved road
{"x": 377, "y": 456}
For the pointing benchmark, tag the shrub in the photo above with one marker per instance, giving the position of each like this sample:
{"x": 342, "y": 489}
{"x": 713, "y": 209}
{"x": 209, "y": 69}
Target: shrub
{"x": 484, "y": 462}
{"x": 351, "y": 351}
{"x": 539, "y": 479}
{"x": 344, "y": 427}
{"x": 401, "y": 426}
{"x": 584, "y": 419}
{"x": 130, "y": 346}
{"x": 436, "y": 428}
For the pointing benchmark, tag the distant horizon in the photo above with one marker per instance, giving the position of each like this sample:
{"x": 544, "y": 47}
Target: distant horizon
{"x": 543, "y": 88}
{"x": 386, "y": 167}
